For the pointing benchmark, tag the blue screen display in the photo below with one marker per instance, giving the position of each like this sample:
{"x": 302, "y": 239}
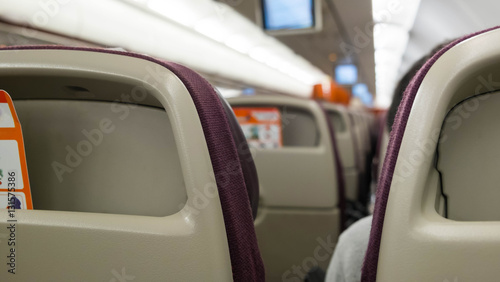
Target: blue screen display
{"x": 288, "y": 14}
{"x": 361, "y": 91}
{"x": 346, "y": 74}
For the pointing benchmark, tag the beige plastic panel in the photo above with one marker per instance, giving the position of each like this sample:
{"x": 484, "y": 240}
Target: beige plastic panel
{"x": 338, "y": 115}
{"x": 369, "y": 119}
{"x": 296, "y": 178}
{"x": 343, "y": 133}
{"x": 469, "y": 159}
{"x": 292, "y": 241}
{"x": 298, "y": 191}
{"x": 106, "y": 167}
{"x": 286, "y": 174}
{"x": 351, "y": 178}
{"x": 299, "y": 128}
{"x": 363, "y": 131}
{"x": 189, "y": 245}
{"x": 361, "y": 146}
{"x": 418, "y": 244}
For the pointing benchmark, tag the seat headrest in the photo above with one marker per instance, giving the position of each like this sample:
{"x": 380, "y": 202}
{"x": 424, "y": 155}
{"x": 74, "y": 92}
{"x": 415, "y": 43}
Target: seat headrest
{"x": 370, "y": 266}
{"x": 338, "y": 167}
{"x": 231, "y": 174}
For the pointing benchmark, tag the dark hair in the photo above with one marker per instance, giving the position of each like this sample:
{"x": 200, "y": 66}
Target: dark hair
{"x": 405, "y": 80}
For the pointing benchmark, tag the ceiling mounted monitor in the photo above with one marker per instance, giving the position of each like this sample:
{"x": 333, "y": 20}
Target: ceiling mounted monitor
{"x": 360, "y": 90}
{"x": 346, "y": 74}
{"x": 282, "y": 17}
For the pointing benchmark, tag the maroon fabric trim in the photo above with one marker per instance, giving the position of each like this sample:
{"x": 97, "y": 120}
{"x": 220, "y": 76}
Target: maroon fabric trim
{"x": 377, "y": 157}
{"x": 369, "y": 271}
{"x": 338, "y": 168}
{"x": 246, "y": 159}
{"x": 246, "y": 260}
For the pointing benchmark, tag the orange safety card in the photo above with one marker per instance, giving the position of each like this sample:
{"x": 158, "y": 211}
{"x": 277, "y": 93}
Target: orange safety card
{"x": 261, "y": 126}
{"x": 15, "y": 190}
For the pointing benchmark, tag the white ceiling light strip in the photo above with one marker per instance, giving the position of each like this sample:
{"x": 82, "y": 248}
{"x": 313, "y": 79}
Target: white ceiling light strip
{"x": 229, "y": 92}
{"x": 208, "y": 36}
{"x": 221, "y": 23}
{"x": 393, "y": 21}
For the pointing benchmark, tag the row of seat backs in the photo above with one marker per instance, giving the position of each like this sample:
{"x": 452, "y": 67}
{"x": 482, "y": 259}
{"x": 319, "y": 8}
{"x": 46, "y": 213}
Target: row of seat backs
{"x": 318, "y": 144}
{"x": 436, "y": 215}
{"x": 134, "y": 168}
{"x": 362, "y": 126}
{"x": 347, "y": 147}
{"x": 307, "y": 150}
{"x": 352, "y": 130}
{"x": 301, "y": 188}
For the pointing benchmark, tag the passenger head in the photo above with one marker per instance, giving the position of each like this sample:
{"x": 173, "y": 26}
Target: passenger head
{"x": 405, "y": 80}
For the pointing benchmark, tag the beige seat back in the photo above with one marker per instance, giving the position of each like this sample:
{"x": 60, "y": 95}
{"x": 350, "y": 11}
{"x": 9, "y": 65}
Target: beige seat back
{"x": 299, "y": 204}
{"x": 339, "y": 117}
{"x": 436, "y": 217}
{"x": 123, "y": 181}
{"x": 468, "y": 161}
